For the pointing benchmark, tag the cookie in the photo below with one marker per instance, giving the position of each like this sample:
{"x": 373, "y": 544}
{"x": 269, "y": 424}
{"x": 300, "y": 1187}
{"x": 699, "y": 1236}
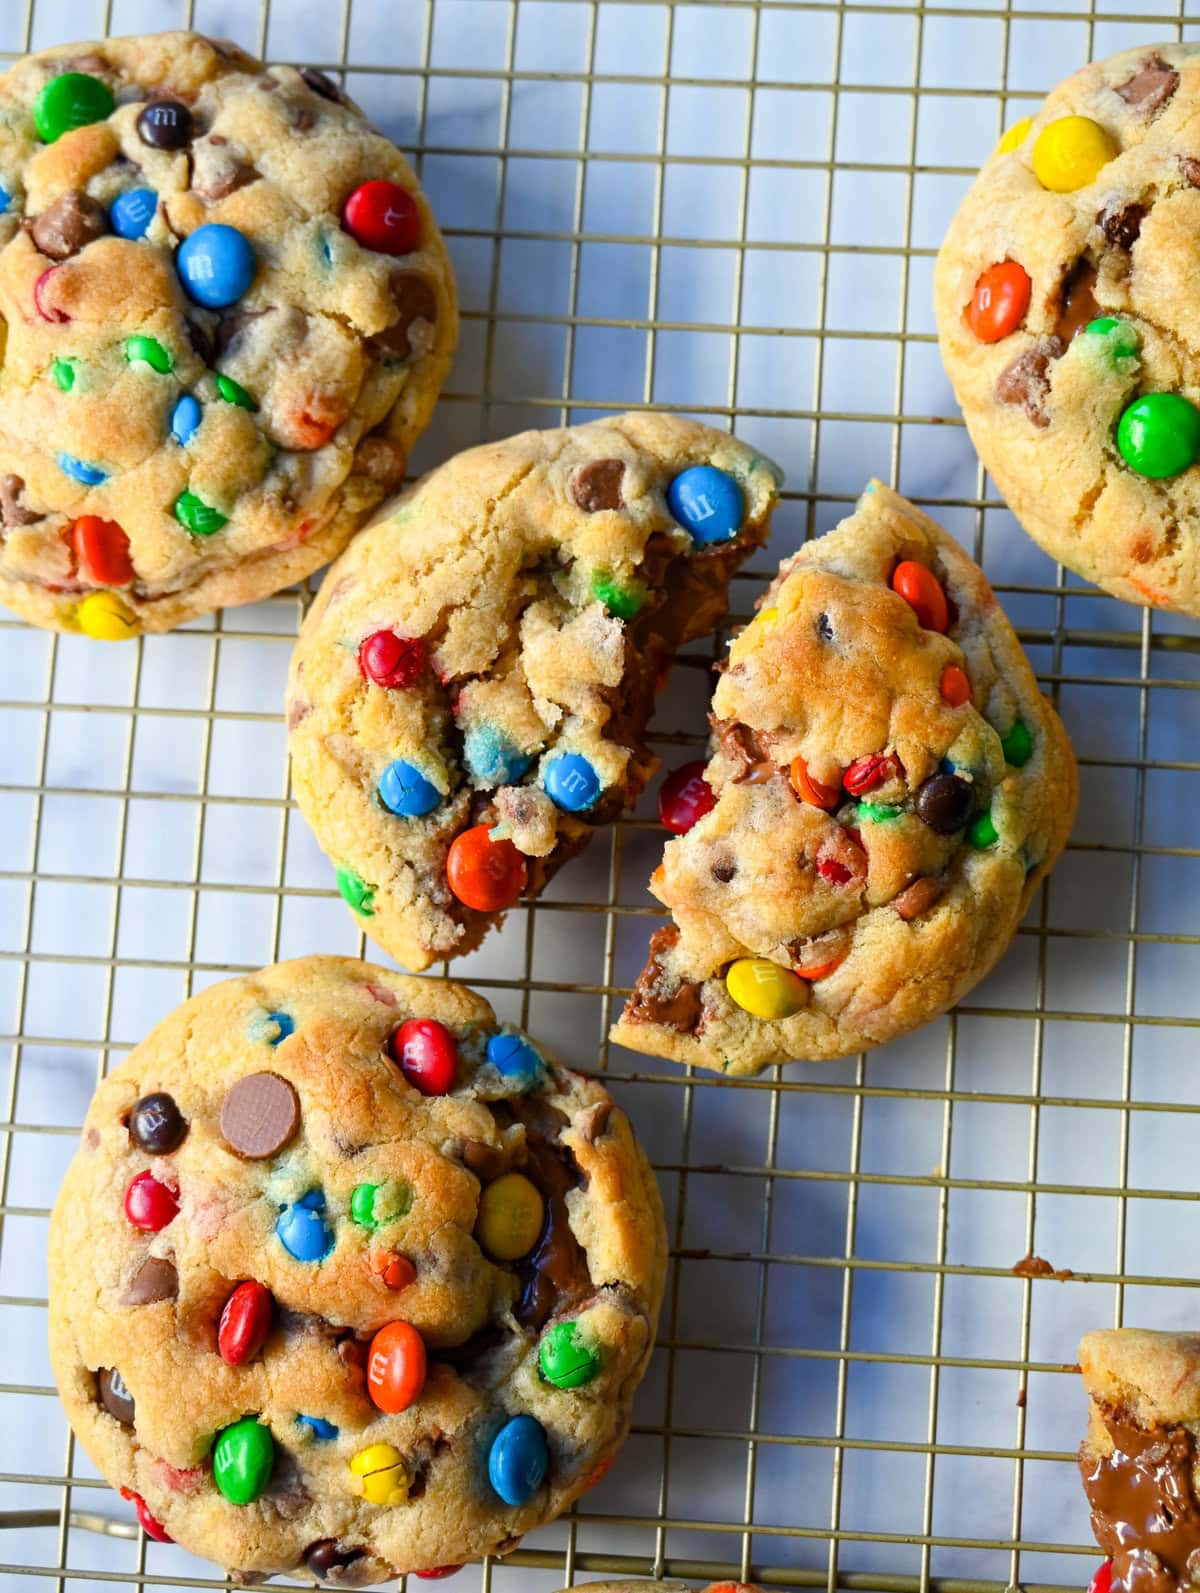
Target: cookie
{"x": 890, "y": 788}
{"x": 1068, "y": 330}
{"x": 469, "y": 693}
{"x": 1139, "y": 1459}
{"x": 347, "y": 1279}
{"x": 229, "y": 312}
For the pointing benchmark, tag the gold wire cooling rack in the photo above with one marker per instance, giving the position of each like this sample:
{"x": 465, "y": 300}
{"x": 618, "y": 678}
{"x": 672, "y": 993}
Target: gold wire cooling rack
{"x": 731, "y": 209}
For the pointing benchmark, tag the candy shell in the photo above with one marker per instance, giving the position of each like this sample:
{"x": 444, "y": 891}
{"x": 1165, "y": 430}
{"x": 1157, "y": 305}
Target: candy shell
{"x": 955, "y": 688}
{"x": 923, "y": 593}
{"x": 302, "y": 1228}
{"x": 491, "y": 758}
{"x": 355, "y": 892}
{"x": 877, "y": 812}
{"x": 571, "y": 783}
{"x": 684, "y": 797}
{"x": 1159, "y": 435}
{"x": 566, "y": 1358}
{"x": 102, "y": 551}
{"x": 185, "y": 418}
{"x": 383, "y": 1479}
{"x": 149, "y": 1204}
{"x": 510, "y": 1217}
{"x": 6, "y": 199}
{"x": 982, "y": 832}
{"x": 383, "y": 216}
{"x": 149, "y": 351}
{"x": 484, "y": 874}
{"x": 392, "y": 661}
{"x": 216, "y": 265}
{"x": 1071, "y": 152}
{"x": 624, "y": 601}
{"x": 518, "y": 1460}
{"x": 318, "y": 1427}
{"x": 396, "y": 1367}
{"x": 82, "y": 470}
{"x": 131, "y": 213}
{"x": 427, "y": 1054}
{"x": 71, "y": 100}
{"x": 515, "y": 1059}
{"x": 810, "y": 790}
{"x": 104, "y": 617}
{"x": 234, "y": 393}
{"x": 405, "y": 791}
{"x": 764, "y": 989}
{"x": 156, "y": 1125}
{"x": 362, "y": 1205}
{"x": 243, "y": 1459}
{"x": 392, "y": 1269}
{"x": 1017, "y": 744}
{"x": 62, "y": 372}
{"x": 999, "y": 302}
{"x": 708, "y": 503}
{"x": 245, "y": 1323}
{"x": 1015, "y": 136}
{"x": 198, "y": 517}
{"x": 150, "y": 1525}
{"x": 1102, "y": 1578}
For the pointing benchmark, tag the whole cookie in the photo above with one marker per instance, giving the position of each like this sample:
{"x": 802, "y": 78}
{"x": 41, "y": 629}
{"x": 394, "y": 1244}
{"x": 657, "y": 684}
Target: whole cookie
{"x": 229, "y": 312}
{"x": 469, "y": 692}
{"x": 1070, "y": 330}
{"x": 1139, "y": 1461}
{"x": 347, "y": 1279}
{"x": 890, "y": 787}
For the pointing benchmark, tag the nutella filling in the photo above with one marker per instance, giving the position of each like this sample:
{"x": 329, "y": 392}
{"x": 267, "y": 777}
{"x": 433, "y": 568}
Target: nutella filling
{"x": 1144, "y": 1512}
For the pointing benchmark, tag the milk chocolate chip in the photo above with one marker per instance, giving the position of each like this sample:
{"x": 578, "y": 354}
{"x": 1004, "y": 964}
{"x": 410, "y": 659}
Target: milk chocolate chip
{"x": 72, "y": 221}
{"x": 598, "y": 485}
{"x": 114, "y": 1396}
{"x": 12, "y": 510}
{"x": 1078, "y": 303}
{"x": 918, "y": 898}
{"x": 1151, "y": 86}
{"x": 156, "y": 1279}
{"x": 1025, "y": 381}
{"x": 321, "y": 84}
{"x": 260, "y": 1115}
{"x": 1121, "y": 225}
{"x": 658, "y": 997}
{"x": 415, "y": 300}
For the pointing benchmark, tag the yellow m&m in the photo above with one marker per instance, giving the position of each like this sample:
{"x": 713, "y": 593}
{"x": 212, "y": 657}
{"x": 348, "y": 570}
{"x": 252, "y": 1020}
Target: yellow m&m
{"x": 1070, "y": 153}
{"x": 1015, "y": 137}
{"x": 105, "y": 617}
{"x": 383, "y": 1479}
{"x": 764, "y": 989}
{"x": 510, "y": 1217}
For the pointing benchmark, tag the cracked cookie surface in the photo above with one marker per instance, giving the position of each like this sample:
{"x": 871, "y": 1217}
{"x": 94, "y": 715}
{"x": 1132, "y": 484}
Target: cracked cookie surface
{"x": 348, "y": 1279}
{"x": 229, "y": 312}
{"x": 469, "y": 692}
{"x": 1139, "y": 1461}
{"x": 1069, "y": 327}
{"x": 891, "y": 787}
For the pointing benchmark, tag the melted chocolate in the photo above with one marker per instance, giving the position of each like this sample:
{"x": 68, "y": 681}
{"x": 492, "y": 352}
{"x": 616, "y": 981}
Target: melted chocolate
{"x": 1078, "y": 305}
{"x": 1144, "y": 1512}
{"x": 745, "y": 749}
{"x": 554, "y": 1275}
{"x": 1122, "y": 224}
{"x": 654, "y": 999}
{"x": 1025, "y": 380}
{"x": 1151, "y": 86}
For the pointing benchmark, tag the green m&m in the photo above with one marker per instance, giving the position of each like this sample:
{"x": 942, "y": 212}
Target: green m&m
{"x": 625, "y": 602}
{"x": 1017, "y": 744}
{"x": 198, "y": 517}
{"x": 234, "y": 393}
{"x": 355, "y": 892}
{"x": 71, "y": 100}
{"x": 566, "y": 1358}
{"x": 63, "y": 372}
{"x": 243, "y": 1460}
{"x": 371, "y": 1205}
{"x": 1159, "y": 435}
{"x": 877, "y": 812}
{"x": 981, "y": 832}
{"x": 149, "y": 351}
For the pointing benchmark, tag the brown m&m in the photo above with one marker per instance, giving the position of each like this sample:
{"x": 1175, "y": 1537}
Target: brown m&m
{"x": 156, "y": 1279}
{"x": 260, "y": 1115}
{"x": 165, "y": 124}
{"x": 156, "y": 1125}
{"x": 114, "y": 1396}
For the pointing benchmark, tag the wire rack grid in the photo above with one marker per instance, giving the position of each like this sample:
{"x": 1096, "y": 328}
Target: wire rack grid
{"x": 730, "y": 209}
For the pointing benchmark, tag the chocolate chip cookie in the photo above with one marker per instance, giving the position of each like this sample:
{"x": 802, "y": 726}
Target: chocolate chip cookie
{"x": 891, "y": 787}
{"x": 1139, "y": 1459}
{"x": 469, "y": 692}
{"x": 348, "y": 1279}
{"x": 1066, "y": 321}
{"x": 229, "y": 312}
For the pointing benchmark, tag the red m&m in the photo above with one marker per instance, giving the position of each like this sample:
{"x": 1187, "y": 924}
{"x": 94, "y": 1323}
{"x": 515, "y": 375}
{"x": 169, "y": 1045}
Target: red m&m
{"x": 864, "y": 774}
{"x": 812, "y": 791}
{"x": 150, "y": 1525}
{"x": 150, "y": 1205}
{"x": 245, "y": 1323}
{"x": 383, "y": 216}
{"x": 396, "y": 1367}
{"x": 999, "y": 302}
{"x": 102, "y": 550}
{"x": 427, "y": 1054}
{"x": 684, "y": 797}
{"x": 484, "y": 874}
{"x": 923, "y": 593}
{"x": 955, "y": 687}
{"x": 1102, "y": 1580}
{"x": 390, "y": 660}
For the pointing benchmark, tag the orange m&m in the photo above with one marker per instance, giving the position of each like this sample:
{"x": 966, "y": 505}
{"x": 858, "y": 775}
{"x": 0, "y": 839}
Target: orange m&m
{"x": 999, "y": 302}
{"x": 812, "y": 791}
{"x": 484, "y": 874}
{"x": 396, "y": 1367}
{"x": 102, "y": 549}
{"x": 923, "y": 593}
{"x": 955, "y": 687}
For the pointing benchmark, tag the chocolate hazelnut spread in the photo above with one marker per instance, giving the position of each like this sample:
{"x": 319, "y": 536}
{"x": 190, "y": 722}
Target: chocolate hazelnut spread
{"x": 656, "y": 997}
{"x": 1144, "y": 1511}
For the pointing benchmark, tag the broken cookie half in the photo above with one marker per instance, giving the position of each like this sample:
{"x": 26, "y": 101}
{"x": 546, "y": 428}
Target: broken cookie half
{"x": 891, "y": 787}
{"x": 1138, "y": 1460}
{"x": 469, "y": 693}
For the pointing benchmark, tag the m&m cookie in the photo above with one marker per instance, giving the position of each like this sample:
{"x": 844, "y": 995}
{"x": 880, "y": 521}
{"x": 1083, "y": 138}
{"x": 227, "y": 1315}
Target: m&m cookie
{"x": 229, "y": 312}
{"x": 1138, "y": 1459}
{"x": 469, "y": 693}
{"x": 348, "y": 1279}
{"x": 1067, "y": 323}
{"x": 889, "y": 789}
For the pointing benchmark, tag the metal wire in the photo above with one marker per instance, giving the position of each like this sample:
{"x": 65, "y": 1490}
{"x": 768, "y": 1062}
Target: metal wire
{"x": 866, "y": 1430}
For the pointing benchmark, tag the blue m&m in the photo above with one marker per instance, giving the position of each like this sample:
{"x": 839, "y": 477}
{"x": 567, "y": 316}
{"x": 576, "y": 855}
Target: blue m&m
{"x": 708, "y": 503}
{"x": 514, "y": 1059}
{"x": 491, "y": 757}
{"x": 519, "y": 1460}
{"x": 216, "y": 265}
{"x": 318, "y": 1427}
{"x": 131, "y": 213}
{"x": 185, "y": 418}
{"x": 81, "y": 470}
{"x": 571, "y": 783}
{"x": 302, "y": 1228}
{"x": 5, "y": 199}
{"x": 403, "y": 789}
